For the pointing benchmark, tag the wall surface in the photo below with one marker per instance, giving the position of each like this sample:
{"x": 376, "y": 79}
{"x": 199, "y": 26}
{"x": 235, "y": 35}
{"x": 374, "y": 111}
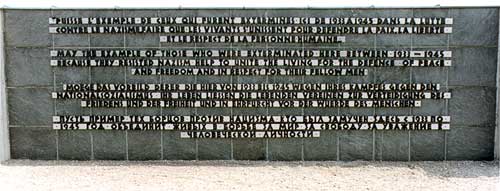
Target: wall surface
{"x": 4, "y": 128}
{"x": 471, "y": 80}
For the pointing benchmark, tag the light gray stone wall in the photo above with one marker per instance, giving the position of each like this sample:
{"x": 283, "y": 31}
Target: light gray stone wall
{"x": 471, "y": 79}
{"x": 497, "y": 129}
{"x": 4, "y": 124}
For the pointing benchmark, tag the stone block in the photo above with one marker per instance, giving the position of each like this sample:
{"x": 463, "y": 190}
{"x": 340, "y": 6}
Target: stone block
{"x": 285, "y": 79}
{"x": 71, "y": 13}
{"x": 213, "y": 79}
{"x": 178, "y": 111}
{"x": 249, "y": 111}
{"x": 392, "y": 74}
{"x": 430, "y": 75}
{"x": 107, "y": 40}
{"x": 70, "y": 107}
{"x": 144, "y": 145}
{"x": 36, "y": 143}
{"x": 30, "y": 106}
{"x": 108, "y": 111}
{"x": 71, "y": 40}
{"x": 250, "y": 79}
{"x": 285, "y": 111}
{"x": 473, "y": 66}
{"x": 108, "y": 75}
{"x": 74, "y": 145}
{"x": 27, "y": 28}
{"x": 393, "y": 40}
{"x": 142, "y": 40}
{"x": 474, "y": 27}
{"x": 144, "y": 111}
{"x": 361, "y": 41}
{"x": 177, "y": 13}
{"x": 321, "y": 111}
{"x": 212, "y": 111}
{"x": 356, "y": 111}
{"x": 109, "y": 145}
{"x": 71, "y": 75}
{"x": 177, "y": 148}
{"x": 425, "y": 40}
{"x": 472, "y": 106}
{"x": 470, "y": 143}
{"x": 249, "y": 149}
{"x": 355, "y": 145}
{"x": 392, "y": 145}
{"x": 431, "y": 107}
{"x": 178, "y": 79}
{"x": 427, "y": 145}
{"x": 323, "y": 148}
{"x": 392, "y": 111}
{"x": 320, "y": 79}
{"x": 285, "y": 149}
{"x": 214, "y": 149}
{"x": 28, "y": 67}
{"x": 249, "y": 13}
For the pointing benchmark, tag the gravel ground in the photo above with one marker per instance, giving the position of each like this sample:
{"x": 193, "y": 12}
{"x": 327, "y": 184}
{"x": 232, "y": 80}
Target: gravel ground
{"x": 243, "y": 175}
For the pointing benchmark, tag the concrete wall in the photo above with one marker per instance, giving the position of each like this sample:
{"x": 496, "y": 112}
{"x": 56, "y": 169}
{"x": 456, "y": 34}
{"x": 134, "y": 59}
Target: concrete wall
{"x": 471, "y": 79}
{"x": 4, "y": 128}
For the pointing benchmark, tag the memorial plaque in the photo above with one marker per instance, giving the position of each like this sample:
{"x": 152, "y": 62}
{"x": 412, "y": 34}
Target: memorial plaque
{"x": 296, "y": 61}
{"x": 398, "y": 84}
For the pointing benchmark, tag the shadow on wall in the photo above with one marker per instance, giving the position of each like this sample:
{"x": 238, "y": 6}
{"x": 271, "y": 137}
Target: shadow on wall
{"x": 443, "y": 169}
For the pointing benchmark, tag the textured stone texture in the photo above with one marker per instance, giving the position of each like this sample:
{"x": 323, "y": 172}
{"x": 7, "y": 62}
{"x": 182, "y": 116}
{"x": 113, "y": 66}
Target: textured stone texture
{"x": 473, "y": 67}
{"x": 4, "y": 122}
{"x": 431, "y": 107}
{"x": 28, "y": 67}
{"x": 285, "y": 149}
{"x": 427, "y": 145}
{"x": 430, "y": 75}
{"x": 249, "y": 149}
{"x": 472, "y": 106}
{"x": 391, "y": 145}
{"x": 214, "y": 149}
{"x": 74, "y": 145}
{"x": 484, "y": 23}
{"x": 109, "y": 145}
{"x": 471, "y": 80}
{"x": 322, "y": 148}
{"x": 29, "y": 106}
{"x": 356, "y": 145}
{"x": 144, "y": 145}
{"x": 175, "y": 148}
{"x": 33, "y": 143}
{"x": 27, "y": 28}
{"x": 391, "y": 75}
{"x": 70, "y": 75}
{"x": 112, "y": 75}
{"x": 470, "y": 143}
